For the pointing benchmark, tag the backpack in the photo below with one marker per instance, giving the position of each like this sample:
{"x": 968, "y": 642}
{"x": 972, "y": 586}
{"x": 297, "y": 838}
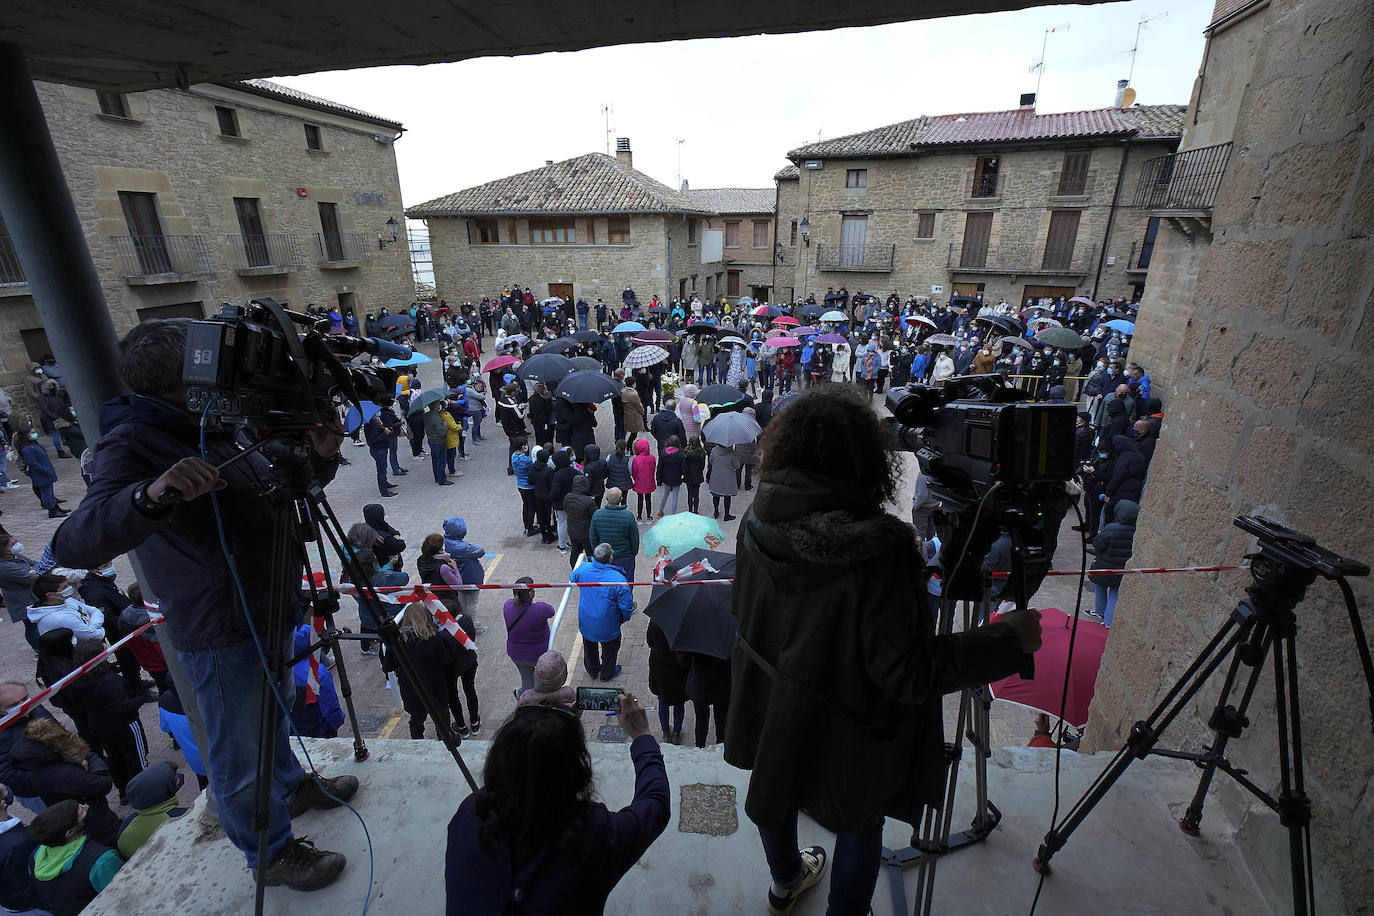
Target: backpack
{"x": 15, "y": 457}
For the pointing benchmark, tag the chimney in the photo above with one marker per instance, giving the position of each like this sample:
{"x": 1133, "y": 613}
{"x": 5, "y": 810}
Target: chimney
{"x": 1028, "y": 101}
{"x": 1120, "y": 92}
{"x": 684, "y": 185}
{"x": 622, "y": 151}
{"x": 548, "y": 162}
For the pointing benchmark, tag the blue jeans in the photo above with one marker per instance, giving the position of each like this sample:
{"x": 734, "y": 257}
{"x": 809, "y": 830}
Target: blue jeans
{"x": 1106, "y": 602}
{"x": 664, "y": 492}
{"x": 437, "y": 455}
{"x": 57, "y": 441}
{"x": 582, "y": 321}
{"x": 853, "y": 869}
{"x": 46, "y": 496}
{"x": 228, "y": 684}
{"x": 391, "y": 451}
{"x": 379, "y": 456}
{"x": 679, "y": 712}
{"x": 626, "y": 564}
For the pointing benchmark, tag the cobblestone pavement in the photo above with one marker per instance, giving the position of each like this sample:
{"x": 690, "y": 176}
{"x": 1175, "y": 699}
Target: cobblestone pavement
{"x": 486, "y": 497}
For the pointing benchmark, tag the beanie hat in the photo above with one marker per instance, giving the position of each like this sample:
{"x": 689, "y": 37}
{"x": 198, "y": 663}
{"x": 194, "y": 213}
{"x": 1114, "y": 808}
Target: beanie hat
{"x": 153, "y": 786}
{"x": 550, "y": 684}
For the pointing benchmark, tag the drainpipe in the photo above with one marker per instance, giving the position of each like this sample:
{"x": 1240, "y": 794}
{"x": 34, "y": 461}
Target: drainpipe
{"x": 1111, "y": 218}
{"x": 776, "y": 198}
{"x": 669, "y": 270}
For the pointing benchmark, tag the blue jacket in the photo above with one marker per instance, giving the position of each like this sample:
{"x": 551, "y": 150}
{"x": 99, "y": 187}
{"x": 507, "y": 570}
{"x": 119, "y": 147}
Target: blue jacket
{"x": 520, "y": 463}
{"x": 175, "y": 723}
{"x": 312, "y": 720}
{"x": 467, "y": 556}
{"x": 601, "y": 611}
{"x": 40, "y": 468}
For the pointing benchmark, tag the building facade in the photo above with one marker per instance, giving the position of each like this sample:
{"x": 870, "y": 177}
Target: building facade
{"x": 739, "y": 241}
{"x": 1009, "y": 204}
{"x": 220, "y": 193}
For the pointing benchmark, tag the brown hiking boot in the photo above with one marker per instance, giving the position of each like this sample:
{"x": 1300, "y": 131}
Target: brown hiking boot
{"x": 302, "y": 867}
{"x": 312, "y": 794}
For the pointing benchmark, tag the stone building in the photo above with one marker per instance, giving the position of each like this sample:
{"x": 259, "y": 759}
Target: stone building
{"x": 1009, "y": 204}
{"x": 585, "y": 227}
{"x": 220, "y": 193}
{"x": 743, "y": 218}
{"x": 1256, "y": 337}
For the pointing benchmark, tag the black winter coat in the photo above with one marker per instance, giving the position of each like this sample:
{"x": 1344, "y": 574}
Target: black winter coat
{"x": 541, "y": 480}
{"x": 694, "y": 468}
{"x": 53, "y": 776}
{"x": 670, "y": 467}
{"x": 560, "y": 482}
{"x": 105, "y": 705}
{"x": 579, "y": 506}
{"x": 665, "y": 424}
{"x": 667, "y": 674}
{"x": 9, "y": 775}
{"x": 837, "y": 674}
{"x": 1128, "y": 473}
{"x": 708, "y": 678}
{"x": 618, "y": 473}
{"x": 1114, "y": 543}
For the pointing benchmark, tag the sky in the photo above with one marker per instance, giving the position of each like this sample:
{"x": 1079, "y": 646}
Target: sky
{"x": 739, "y": 104}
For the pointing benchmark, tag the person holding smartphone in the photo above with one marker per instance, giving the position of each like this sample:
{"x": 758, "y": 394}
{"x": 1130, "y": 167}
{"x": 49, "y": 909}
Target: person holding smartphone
{"x": 532, "y": 837}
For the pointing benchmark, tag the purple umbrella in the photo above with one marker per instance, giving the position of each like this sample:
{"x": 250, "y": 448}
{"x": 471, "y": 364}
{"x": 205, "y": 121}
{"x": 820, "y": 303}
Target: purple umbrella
{"x": 830, "y": 339}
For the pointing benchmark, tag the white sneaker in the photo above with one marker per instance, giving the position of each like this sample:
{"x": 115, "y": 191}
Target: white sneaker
{"x": 11, "y": 485}
{"x": 360, "y": 443}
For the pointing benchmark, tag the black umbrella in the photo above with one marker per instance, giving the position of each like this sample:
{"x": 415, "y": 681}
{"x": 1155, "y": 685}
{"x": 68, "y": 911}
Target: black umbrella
{"x": 785, "y": 399}
{"x": 1010, "y": 325}
{"x": 696, "y": 618}
{"x": 701, "y": 327}
{"x": 811, "y": 312}
{"x": 585, "y": 336}
{"x": 965, "y": 300}
{"x": 722, "y": 397}
{"x": 586, "y": 362}
{"x": 658, "y": 310}
{"x": 559, "y": 345}
{"x": 395, "y": 321}
{"x": 545, "y": 367}
{"x": 583, "y": 386}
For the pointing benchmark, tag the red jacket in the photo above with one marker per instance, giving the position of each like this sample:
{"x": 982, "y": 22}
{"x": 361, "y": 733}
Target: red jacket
{"x": 470, "y": 348}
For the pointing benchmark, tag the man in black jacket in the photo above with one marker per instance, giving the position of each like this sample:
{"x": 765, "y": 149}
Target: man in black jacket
{"x": 151, "y": 444}
{"x": 665, "y": 424}
{"x": 111, "y": 716}
{"x": 16, "y": 848}
{"x": 541, "y": 414}
{"x": 98, "y": 589}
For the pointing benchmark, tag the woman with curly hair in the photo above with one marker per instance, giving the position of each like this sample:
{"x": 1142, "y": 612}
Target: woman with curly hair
{"x": 837, "y": 672}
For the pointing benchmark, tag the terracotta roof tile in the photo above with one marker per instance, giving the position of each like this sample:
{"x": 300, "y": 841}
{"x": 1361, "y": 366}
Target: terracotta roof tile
{"x": 892, "y": 139}
{"x": 1155, "y": 121}
{"x": 735, "y": 200}
{"x": 286, "y": 93}
{"x": 788, "y": 172}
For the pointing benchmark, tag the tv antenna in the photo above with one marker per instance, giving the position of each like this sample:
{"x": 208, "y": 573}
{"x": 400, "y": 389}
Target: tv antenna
{"x": 680, "y": 141}
{"x": 1136, "y": 47}
{"x": 1038, "y": 67}
{"x": 606, "y": 112}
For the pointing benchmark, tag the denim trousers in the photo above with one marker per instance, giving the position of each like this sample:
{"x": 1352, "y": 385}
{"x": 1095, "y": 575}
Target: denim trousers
{"x": 854, "y": 864}
{"x": 392, "y": 448}
{"x": 437, "y": 456}
{"x": 379, "y": 456}
{"x": 228, "y": 684}
{"x": 46, "y": 497}
{"x": 1106, "y": 602}
{"x": 664, "y": 493}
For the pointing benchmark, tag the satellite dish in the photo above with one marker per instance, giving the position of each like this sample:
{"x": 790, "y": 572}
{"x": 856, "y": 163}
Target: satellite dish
{"x": 1128, "y": 98}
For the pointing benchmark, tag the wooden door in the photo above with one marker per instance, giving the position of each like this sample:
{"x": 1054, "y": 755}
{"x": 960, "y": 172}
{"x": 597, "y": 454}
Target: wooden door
{"x": 1047, "y": 292}
{"x": 563, "y": 291}
{"x": 1063, "y": 235}
{"x": 977, "y": 233}
{"x": 968, "y": 289}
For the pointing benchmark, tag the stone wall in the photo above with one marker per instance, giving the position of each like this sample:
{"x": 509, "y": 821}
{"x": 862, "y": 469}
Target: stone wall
{"x": 1258, "y": 344}
{"x": 171, "y": 146}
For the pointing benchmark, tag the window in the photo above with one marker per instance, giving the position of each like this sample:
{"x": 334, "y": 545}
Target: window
{"x": 1074, "y": 178}
{"x": 856, "y": 178}
{"x": 691, "y": 232}
{"x": 732, "y": 234}
{"x": 332, "y": 240}
{"x": 312, "y": 137}
{"x": 794, "y": 234}
{"x": 488, "y": 232}
{"x": 10, "y": 271}
{"x": 250, "y": 225}
{"x": 761, "y": 233}
{"x": 618, "y": 230}
{"x": 1147, "y": 247}
{"x": 985, "y": 177}
{"x": 228, "y": 121}
{"x": 977, "y": 234}
{"x": 554, "y": 231}
{"x": 591, "y": 231}
{"x": 112, "y": 104}
{"x": 925, "y": 225}
{"x": 145, "y": 232}
{"x": 1060, "y": 241}
{"x": 732, "y": 283}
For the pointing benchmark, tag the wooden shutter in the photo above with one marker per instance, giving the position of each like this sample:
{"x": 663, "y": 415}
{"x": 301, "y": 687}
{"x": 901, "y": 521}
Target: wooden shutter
{"x": 977, "y": 233}
{"x": 1062, "y": 236}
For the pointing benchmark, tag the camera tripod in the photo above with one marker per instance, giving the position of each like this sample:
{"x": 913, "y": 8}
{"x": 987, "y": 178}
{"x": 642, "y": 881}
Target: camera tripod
{"x": 1262, "y": 624}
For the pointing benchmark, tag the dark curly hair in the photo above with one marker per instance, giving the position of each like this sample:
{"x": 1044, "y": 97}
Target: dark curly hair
{"x": 832, "y": 429}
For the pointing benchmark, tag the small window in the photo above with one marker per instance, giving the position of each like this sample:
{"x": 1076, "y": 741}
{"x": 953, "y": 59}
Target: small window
{"x": 732, "y": 283}
{"x": 985, "y": 177}
{"x": 618, "y": 230}
{"x": 312, "y": 137}
{"x": 553, "y": 231}
{"x": 228, "y": 121}
{"x": 487, "y": 232}
{"x": 794, "y": 234}
{"x": 856, "y": 178}
{"x": 112, "y": 104}
{"x": 732, "y": 234}
{"x": 761, "y": 233}
{"x": 691, "y": 232}
{"x": 925, "y": 225}
{"x": 1073, "y": 180}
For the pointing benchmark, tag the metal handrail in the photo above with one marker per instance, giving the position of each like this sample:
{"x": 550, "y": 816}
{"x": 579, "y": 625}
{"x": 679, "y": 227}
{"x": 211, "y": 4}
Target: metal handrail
{"x": 1182, "y": 181}
{"x": 161, "y": 255}
{"x": 855, "y": 257}
{"x": 343, "y": 246}
{"x": 267, "y": 250}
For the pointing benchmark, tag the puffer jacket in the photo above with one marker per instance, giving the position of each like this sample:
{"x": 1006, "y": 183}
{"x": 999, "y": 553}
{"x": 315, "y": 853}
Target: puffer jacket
{"x": 1114, "y": 543}
{"x": 618, "y": 473}
{"x": 467, "y": 556}
{"x": 541, "y": 476}
{"x": 59, "y": 765}
{"x": 642, "y": 468}
{"x": 670, "y": 466}
{"x": 579, "y": 506}
{"x": 594, "y": 466}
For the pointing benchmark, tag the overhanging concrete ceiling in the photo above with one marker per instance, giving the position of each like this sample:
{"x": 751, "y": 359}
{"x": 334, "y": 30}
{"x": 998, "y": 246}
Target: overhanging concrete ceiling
{"x": 131, "y": 45}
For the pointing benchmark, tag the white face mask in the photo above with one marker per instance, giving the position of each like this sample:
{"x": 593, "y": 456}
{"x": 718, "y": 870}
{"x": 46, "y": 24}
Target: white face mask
{"x": 17, "y": 548}
{"x": 67, "y": 592}
{"x": 108, "y": 572}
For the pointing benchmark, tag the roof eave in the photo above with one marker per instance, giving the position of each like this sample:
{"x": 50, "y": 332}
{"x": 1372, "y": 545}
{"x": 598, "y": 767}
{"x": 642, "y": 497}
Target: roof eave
{"x": 336, "y": 110}
{"x": 421, "y": 212}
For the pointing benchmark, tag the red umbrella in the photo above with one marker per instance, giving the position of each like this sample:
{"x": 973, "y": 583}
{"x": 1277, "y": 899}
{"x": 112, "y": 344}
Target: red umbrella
{"x": 1044, "y": 691}
{"x": 501, "y": 362}
{"x": 786, "y": 320}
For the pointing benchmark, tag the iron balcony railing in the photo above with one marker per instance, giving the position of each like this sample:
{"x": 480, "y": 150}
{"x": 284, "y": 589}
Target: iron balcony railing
{"x": 269, "y": 250}
{"x": 11, "y": 271}
{"x": 877, "y": 258}
{"x": 987, "y": 258}
{"x": 162, "y": 255}
{"x": 343, "y": 246}
{"x": 1182, "y": 181}
{"x": 984, "y": 186}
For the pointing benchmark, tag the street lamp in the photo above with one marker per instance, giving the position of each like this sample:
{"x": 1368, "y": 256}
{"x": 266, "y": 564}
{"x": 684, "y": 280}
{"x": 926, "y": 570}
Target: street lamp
{"x": 391, "y": 227}
{"x": 805, "y": 228}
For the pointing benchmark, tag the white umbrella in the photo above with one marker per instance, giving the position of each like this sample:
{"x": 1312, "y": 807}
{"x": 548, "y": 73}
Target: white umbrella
{"x": 646, "y": 355}
{"x": 919, "y": 319}
{"x": 834, "y": 315}
{"x": 1046, "y": 322}
{"x": 552, "y": 300}
{"x": 732, "y": 340}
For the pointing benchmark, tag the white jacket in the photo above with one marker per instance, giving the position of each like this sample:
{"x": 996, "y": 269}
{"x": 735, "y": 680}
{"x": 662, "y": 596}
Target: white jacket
{"x": 84, "y": 621}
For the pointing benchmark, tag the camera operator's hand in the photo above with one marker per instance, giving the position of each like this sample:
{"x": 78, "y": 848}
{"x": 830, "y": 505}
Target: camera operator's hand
{"x": 1027, "y": 626}
{"x": 190, "y": 478}
{"x": 633, "y": 718}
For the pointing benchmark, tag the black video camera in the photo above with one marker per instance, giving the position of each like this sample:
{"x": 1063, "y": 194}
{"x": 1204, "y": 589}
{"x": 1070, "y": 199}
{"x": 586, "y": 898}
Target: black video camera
{"x": 264, "y": 367}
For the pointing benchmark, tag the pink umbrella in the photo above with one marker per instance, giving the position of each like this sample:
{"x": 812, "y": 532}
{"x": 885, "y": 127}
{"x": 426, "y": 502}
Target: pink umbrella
{"x": 501, "y": 362}
{"x": 774, "y": 332}
{"x": 784, "y": 342}
{"x": 1083, "y": 299}
{"x": 919, "y": 319}
{"x": 1044, "y": 691}
{"x": 786, "y": 320}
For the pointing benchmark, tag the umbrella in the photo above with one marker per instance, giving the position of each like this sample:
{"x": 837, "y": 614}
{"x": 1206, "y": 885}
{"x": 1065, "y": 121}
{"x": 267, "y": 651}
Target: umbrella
{"x": 414, "y": 360}
{"x": 804, "y": 332}
{"x": 948, "y": 340}
{"x": 967, "y": 300}
{"x": 501, "y": 362}
{"x": 426, "y": 398}
{"x": 583, "y": 386}
{"x": 395, "y": 322}
{"x": 1060, "y": 337}
{"x": 1110, "y": 315}
{"x": 919, "y": 319}
{"x": 766, "y": 311}
{"x": 832, "y": 315}
{"x": 658, "y": 310}
{"x": 1122, "y": 325}
{"x": 585, "y": 336}
{"x": 1036, "y": 308}
{"x": 1047, "y": 322}
{"x": 552, "y": 300}
{"x": 697, "y": 618}
{"x": 701, "y": 327}
{"x": 654, "y": 336}
{"x": 681, "y": 533}
{"x": 647, "y": 355}
{"x": 625, "y": 327}
{"x": 745, "y": 301}
{"x": 1009, "y": 325}
{"x": 830, "y": 339}
{"x": 586, "y": 362}
{"x": 812, "y": 312}
{"x": 721, "y": 397}
{"x": 559, "y": 345}
{"x": 1016, "y": 342}
{"x": 1083, "y": 299}
{"x": 785, "y": 399}
{"x": 732, "y": 429}
{"x": 730, "y": 340}
{"x": 545, "y": 367}
{"x": 1044, "y": 691}
{"x": 357, "y": 418}
{"x": 774, "y": 332}
{"x": 786, "y": 320}
{"x": 515, "y": 340}
{"x": 784, "y": 342}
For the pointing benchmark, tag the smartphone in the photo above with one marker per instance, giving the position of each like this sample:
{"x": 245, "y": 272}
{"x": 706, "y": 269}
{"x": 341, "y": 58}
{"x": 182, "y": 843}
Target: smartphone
{"x": 599, "y": 699}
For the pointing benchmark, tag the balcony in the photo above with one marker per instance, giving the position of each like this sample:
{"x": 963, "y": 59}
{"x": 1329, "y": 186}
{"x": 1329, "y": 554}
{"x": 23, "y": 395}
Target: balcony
{"x": 152, "y": 260}
{"x": 264, "y": 255}
{"x": 856, "y": 258}
{"x": 984, "y": 186}
{"x": 12, "y": 279}
{"x": 1185, "y": 182}
{"x": 1020, "y": 261}
{"x": 342, "y": 250}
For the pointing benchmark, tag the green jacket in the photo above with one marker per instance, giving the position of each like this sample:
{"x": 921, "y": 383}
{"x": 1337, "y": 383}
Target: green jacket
{"x": 848, "y": 728}
{"x": 615, "y": 525}
{"x": 140, "y": 826}
{"x": 436, "y": 430}
{"x": 51, "y": 861}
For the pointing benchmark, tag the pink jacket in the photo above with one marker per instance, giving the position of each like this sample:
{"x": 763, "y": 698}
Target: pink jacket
{"x": 642, "y": 468}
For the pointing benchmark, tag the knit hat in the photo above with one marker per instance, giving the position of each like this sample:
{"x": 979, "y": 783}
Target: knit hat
{"x": 691, "y": 390}
{"x": 550, "y": 684}
{"x": 153, "y": 786}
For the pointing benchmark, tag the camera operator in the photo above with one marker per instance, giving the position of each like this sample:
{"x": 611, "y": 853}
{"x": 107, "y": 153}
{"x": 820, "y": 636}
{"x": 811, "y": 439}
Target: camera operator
{"x": 837, "y": 672}
{"x": 150, "y": 443}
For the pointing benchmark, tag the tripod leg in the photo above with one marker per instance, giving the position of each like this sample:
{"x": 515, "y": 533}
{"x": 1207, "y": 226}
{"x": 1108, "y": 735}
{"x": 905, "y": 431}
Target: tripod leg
{"x": 1295, "y": 809}
{"x": 275, "y": 630}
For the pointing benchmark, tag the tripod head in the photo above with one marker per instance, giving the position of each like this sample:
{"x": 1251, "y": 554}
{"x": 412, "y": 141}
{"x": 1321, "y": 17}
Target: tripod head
{"x": 1283, "y": 551}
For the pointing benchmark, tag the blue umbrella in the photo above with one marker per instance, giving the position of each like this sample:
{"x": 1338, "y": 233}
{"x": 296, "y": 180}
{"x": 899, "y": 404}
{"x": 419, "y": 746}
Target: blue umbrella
{"x": 1125, "y": 327}
{"x": 414, "y": 360}
{"x": 626, "y": 327}
{"x": 355, "y": 418}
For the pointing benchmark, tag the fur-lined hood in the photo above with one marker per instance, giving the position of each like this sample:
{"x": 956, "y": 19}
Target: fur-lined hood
{"x": 53, "y": 741}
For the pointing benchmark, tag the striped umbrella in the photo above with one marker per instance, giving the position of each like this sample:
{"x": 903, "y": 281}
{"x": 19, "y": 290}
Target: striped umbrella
{"x": 647, "y": 355}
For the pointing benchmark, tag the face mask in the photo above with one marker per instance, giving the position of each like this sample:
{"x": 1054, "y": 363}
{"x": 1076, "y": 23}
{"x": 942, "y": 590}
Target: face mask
{"x": 67, "y": 592}
{"x": 1056, "y": 362}
{"x": 33, "y": 436}
{"x": 17, "y": 548}
{"x": 108, "y": 572}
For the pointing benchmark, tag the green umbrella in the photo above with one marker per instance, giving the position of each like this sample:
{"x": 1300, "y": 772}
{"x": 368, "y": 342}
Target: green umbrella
{"x": 425, "y": 398}
{"x": 1060, "y": 337}
{"x": 681, "y": 533}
